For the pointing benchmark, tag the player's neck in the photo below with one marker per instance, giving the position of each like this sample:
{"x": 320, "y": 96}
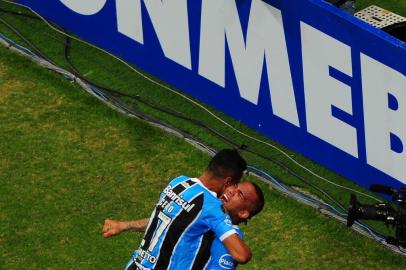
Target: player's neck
{"x": 210, "y": 182}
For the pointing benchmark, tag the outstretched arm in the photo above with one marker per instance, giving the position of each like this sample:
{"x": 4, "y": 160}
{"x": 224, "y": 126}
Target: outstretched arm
{"x": 237, "y": 248}
{"x": 114, "y": 227}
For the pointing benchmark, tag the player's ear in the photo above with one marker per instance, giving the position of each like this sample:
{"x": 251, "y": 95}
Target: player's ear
{"x": 228, "y": 181}
{"x": 244, "y": 214}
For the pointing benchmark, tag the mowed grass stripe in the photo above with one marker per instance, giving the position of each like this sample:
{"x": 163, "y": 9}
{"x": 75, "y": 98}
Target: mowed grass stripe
{"x": 67, "y": 162}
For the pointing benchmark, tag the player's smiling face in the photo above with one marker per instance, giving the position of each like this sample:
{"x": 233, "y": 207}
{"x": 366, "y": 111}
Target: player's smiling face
{"x": 237, "y": 200}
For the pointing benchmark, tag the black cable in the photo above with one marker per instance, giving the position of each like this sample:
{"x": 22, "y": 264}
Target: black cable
{"x": 198, "y": 123}
{"x": 127, "y": 107}
{"x": 140, "y": 99}
{"x": 304, "y": 180}
{"x": 171, "y": 112}
{"x": 26, "y": 40}
{"x": 243, "y": 147}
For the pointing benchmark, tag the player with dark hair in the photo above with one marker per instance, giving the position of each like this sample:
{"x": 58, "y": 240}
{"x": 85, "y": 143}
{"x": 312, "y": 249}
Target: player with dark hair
{"x": 241, "y": 202}
{"x": 187, "y": 213}
{"x": 227, "y": 162}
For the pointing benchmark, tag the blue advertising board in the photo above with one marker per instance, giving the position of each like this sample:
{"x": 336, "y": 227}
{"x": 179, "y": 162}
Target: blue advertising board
{"x": 303, "y": 73}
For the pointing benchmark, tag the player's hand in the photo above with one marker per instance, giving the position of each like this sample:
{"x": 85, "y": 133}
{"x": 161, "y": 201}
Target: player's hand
{"x": 113, "y": 227}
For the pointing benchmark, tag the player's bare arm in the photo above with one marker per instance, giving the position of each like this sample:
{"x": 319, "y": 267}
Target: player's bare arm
{"x": 114, "y": 227}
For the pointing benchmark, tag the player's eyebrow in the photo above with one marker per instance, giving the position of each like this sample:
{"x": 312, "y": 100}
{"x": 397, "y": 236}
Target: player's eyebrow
{"x": 240, "y": 193}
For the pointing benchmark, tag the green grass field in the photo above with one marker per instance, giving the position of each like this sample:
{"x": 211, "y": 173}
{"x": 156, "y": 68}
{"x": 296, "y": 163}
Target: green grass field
{"x": 67, "y": 162}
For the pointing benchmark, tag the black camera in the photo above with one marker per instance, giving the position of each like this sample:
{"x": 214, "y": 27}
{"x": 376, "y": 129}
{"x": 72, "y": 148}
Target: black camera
{"x": 395, "y": 216}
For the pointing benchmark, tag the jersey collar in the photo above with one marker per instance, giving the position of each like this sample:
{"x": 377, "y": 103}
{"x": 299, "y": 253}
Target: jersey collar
{"x": 200, "y": 183}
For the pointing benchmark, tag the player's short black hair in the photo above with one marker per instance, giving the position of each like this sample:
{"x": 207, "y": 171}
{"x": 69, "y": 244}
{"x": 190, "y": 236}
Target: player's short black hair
{"x": 259, "y": 204}
{"x": 227, "y": 162}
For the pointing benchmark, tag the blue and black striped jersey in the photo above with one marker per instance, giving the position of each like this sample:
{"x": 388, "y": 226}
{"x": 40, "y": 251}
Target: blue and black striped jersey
{"x": 186, "y": 215}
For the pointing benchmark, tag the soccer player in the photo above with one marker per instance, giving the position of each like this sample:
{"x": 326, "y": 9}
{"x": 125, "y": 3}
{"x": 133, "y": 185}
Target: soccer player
{"x": 242, "y": 202}
{"x": 187, "y": 212}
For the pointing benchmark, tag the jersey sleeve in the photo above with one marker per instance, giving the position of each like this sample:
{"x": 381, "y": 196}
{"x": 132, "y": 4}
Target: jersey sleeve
{"x": 219, "y": 222}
